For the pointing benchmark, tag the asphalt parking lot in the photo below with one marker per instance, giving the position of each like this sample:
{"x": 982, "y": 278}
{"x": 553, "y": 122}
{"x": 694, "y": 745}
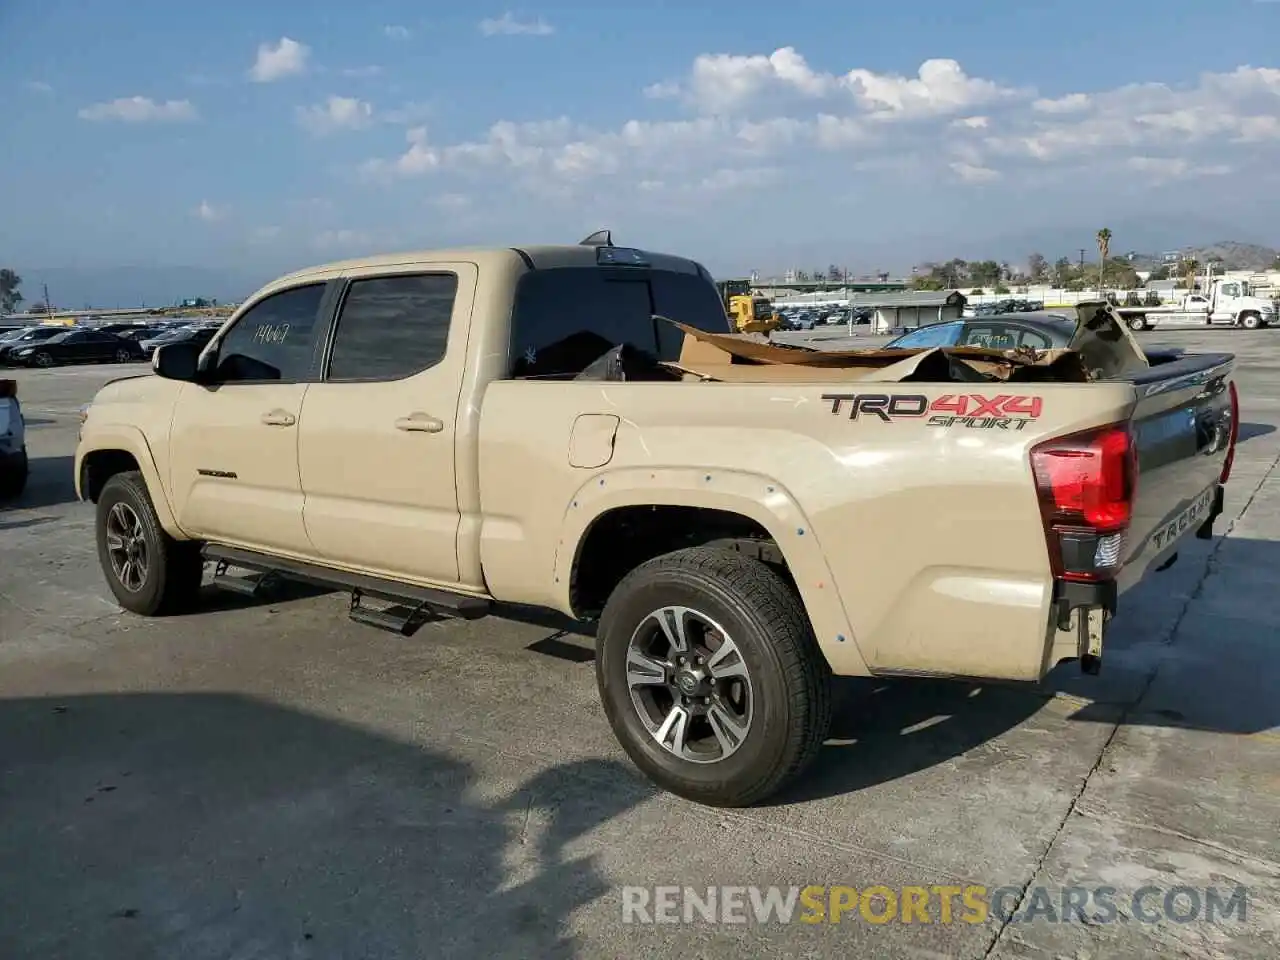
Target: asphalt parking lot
{"x": 271, "y": 780}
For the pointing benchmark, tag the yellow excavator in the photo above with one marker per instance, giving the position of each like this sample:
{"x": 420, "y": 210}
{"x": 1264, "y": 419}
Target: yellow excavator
{"x": 747, "y": 312}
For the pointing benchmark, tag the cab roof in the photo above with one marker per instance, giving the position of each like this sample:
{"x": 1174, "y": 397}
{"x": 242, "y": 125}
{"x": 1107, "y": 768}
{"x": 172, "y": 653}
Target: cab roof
{"x": 538, "y": 257}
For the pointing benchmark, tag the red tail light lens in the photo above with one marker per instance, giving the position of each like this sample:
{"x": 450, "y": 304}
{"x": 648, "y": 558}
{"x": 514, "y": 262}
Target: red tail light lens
{"x": 1234, "y": 435}
{"x": 1086, "y": 484}
{"x": 1087, "y": 479}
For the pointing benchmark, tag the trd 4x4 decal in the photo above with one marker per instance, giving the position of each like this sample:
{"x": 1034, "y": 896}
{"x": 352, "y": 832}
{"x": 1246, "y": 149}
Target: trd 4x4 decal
{"x": 1004, "y": 411}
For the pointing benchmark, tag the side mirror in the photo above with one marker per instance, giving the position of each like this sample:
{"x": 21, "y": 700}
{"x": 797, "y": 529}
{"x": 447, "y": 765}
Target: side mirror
{"x": 177, "y": 361}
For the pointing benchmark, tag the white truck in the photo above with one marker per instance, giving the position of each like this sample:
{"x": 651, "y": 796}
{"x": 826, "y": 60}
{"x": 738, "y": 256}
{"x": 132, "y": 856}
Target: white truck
{"x": 1220, "y": 300}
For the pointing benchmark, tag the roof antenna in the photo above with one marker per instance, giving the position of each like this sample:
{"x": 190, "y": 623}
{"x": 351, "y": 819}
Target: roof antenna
{"x": 601, "y": 238}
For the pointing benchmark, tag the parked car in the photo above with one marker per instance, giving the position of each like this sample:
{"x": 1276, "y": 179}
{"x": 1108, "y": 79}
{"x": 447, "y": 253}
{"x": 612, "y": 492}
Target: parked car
{"x": 13, "y": 443}
{"x": 78, "y": 346}
{"x": 24, "y": 337}
{"x": 194, "y": 334}
{"x": 722, "y": 534}
{"x": 1003, "y": 333}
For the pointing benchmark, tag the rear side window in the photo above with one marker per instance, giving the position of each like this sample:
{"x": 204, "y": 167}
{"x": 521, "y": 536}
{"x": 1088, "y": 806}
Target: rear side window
{"x": 273, "y": 340}
{"x": 564, "y": 318}
{"x": 393, "y": 327}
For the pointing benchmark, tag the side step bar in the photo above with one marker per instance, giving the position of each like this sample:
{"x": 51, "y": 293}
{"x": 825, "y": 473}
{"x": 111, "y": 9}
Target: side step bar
{"x": 411, "y": 606}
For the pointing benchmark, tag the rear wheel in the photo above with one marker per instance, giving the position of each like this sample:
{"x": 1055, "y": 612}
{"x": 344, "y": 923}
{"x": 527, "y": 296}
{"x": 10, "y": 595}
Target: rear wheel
{"x": 1138, "y": 323}
{"x": 149, "y": 571}
{"x": 123, "y": 355}
{"x": 43, "y": 359}
{"x": 711, "y": 677}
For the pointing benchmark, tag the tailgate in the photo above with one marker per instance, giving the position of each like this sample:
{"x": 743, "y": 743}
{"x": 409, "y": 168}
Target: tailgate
{"x": 1183, "y": 425}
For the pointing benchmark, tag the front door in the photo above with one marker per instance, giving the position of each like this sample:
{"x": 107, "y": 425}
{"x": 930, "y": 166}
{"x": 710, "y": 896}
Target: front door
{"x": 377, "y": 437}
{"x": 234, "y": 440}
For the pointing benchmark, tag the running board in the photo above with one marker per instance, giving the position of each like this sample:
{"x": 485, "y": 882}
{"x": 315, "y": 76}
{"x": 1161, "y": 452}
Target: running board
{"x": 411, "y": 606}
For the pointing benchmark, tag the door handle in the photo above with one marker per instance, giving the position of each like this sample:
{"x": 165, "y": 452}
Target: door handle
{"x": 420, "y": 423}
{"x": 279, "y": 418}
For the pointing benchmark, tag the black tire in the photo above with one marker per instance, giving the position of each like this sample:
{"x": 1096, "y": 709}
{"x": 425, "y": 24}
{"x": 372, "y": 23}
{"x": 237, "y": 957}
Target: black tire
{"x": 1251, "y": 321}
{"x": 1138, "y": 323}
{"x": 13, "y": 479}
{"x": 42, "y": 359}
{"x": 124, "y": 356}
{"x": 171, "y": 582}
{"x": 790, "y": 680}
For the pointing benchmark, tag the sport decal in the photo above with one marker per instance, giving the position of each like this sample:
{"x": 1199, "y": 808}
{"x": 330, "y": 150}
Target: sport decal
{"x": 1004, "y": 411}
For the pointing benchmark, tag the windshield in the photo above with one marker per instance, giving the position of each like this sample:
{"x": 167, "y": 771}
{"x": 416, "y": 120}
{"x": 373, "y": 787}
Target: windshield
{"x": 934, "y": 335}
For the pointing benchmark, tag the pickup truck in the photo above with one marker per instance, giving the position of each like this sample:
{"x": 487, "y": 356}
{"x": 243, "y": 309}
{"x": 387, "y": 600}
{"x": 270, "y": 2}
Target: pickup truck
{"x": 1226, "y": 301}
{"x": 436, "y": 431}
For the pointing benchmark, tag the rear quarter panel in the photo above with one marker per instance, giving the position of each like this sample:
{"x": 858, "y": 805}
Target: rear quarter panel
{"x": 917, "y": 546}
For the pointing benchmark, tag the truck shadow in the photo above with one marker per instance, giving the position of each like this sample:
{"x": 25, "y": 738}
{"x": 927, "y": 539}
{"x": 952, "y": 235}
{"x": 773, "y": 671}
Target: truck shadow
{"x": 49, "y": 484}
{"x": 1192, "y": 648}
{"x": 215, "y": 825}
{"x": 1250, "y": 430}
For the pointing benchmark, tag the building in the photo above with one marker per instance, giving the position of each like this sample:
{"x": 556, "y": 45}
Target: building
{"x": 911, "y": 309}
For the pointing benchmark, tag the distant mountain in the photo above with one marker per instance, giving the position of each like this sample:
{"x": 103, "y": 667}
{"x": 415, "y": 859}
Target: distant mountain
{"x": 107, "y": 288}
{"x": 1235, "y": 255}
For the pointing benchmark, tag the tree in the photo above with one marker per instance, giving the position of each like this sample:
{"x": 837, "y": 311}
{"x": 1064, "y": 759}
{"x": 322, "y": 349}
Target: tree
{"x": 1062, "y": 271}
{"x": 1038, "y": 268}
{"x": 985, "y": 273}
{"x": 1103, "y": 237}
{"x": 927, "y": 282}
{"x": 10, "y": 296}
{"x": 1001, "y": 289}
{"x": 835, "y": 273}
{"x": 1159, "y": 273}
{"x": 1190, "y": 267}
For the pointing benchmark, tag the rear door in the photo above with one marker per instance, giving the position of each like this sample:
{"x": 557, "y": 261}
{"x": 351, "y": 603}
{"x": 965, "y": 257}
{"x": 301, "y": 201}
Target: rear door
{"x": 378, "y": 433}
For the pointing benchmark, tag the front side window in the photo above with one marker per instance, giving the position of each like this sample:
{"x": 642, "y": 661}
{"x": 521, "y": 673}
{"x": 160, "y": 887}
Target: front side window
{"x": 393, "y": 327}
{"x": 274, "y": 339}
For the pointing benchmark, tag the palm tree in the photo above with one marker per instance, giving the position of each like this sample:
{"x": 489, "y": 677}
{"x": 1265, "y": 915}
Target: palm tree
{"x": 1104, "y": 248}
{"x": 9, "y": 295}
{"x": 1190, "y": 268}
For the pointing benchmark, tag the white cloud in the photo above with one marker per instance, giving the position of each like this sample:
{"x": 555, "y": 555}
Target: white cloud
{"x": 508, "y": 24}
{"x": 972, "y": 173}
{"x": 38, "y": 86}
{"x": 1072, "y": 103}
{"x": 287, "y": 58}
{"x": 362, "y": 73}
{"x": 763, "y": 120}
{"x": 264, "y": 234}
{"x": 336, "y": 113}
{"x": 140, "y": 110}
{"x": 208, "y": 212}
{"x": 409, "y": 114}
{"x": 721, "y": 83}
{"x": 397, "y": 32}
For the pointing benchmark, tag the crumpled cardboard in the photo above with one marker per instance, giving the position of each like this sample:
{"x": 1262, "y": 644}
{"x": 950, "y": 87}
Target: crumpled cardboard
{"x": 1102, "y": 346}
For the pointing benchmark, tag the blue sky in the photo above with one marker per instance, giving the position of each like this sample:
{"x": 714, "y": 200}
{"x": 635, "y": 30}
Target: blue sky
{"x": 265, "y": 135}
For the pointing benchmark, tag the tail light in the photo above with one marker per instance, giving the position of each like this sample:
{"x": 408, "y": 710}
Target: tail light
{"x": 1234, "y": 435}
{"x": 8, "y": 388}
{"x": 1086, "y": 483}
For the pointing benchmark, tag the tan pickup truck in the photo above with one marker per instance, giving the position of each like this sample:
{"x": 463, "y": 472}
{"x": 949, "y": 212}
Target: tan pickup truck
{"x": 444, "y": 431}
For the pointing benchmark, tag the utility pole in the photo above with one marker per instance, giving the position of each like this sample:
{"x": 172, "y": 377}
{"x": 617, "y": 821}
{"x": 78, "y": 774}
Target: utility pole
{"x": 48, "y": 304}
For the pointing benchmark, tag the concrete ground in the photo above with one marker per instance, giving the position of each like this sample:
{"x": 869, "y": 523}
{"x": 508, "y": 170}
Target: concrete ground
{"x": 271, "y": 780}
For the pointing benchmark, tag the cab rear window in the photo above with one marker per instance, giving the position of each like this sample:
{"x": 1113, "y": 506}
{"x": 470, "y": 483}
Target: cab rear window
{"x": 564, "y": 318}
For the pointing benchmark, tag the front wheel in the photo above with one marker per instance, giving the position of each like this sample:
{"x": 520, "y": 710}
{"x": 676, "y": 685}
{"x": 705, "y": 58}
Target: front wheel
{"x": 1251, "y": 321}
{"x": 123, "y": 356}
{"x": 149, "y": 571}
{"x": 1138, "y": 323}
{"x": 43, "y": 359}
{"x": 711, "y": 677}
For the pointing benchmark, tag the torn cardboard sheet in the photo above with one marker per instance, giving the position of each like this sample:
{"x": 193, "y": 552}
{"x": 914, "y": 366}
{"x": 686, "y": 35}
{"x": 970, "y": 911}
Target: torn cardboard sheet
{"x": 714, "y": 356}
